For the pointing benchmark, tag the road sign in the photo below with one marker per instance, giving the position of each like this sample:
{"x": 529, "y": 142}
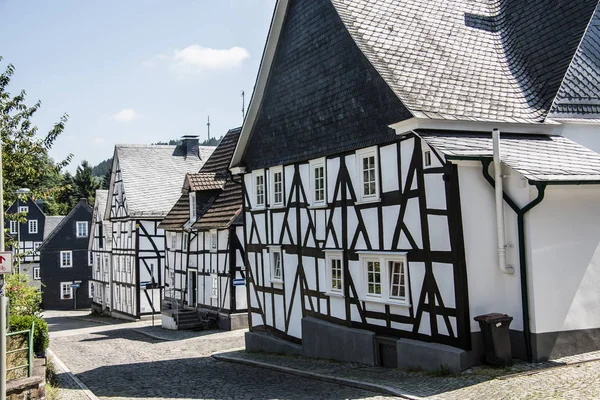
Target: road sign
{"x": 74, "y": 285}
{"x": 144, "y": 283}
{"x": 239, "y": 282}
{"x": 5, "y": 262}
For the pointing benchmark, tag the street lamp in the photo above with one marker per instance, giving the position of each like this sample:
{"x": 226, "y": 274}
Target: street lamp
{"x": 19, "y": 192}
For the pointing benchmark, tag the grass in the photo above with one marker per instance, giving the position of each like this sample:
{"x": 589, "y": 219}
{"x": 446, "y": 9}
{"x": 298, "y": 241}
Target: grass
{"x": 442, "y": 371}
{"x": 52, "y": 382}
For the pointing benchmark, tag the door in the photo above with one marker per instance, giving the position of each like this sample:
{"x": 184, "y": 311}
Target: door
{"x": 192, "y": 289}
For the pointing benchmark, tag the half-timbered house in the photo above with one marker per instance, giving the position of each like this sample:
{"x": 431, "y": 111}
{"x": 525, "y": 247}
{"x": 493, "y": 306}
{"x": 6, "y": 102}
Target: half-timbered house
{"x": 144, "y": 185}
{"x": 377, "y": 224}
{"x": 100, "y": 246}
{"x": 64, "y": 262}
{"x": 205, "y": 255}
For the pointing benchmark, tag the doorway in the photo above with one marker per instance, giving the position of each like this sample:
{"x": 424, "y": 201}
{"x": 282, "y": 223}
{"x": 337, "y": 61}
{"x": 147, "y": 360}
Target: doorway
{"x": 192, "y": 288}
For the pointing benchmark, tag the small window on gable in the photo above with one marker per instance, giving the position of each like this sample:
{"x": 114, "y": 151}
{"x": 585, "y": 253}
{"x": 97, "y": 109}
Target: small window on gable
{"x": 82, "y": 229}
{"x": 334, "y": 272}
{"x": 318, "y": 182}
{"x": 66, "y": 259}
{"x": 24, "y": 209}
{"x": 277, "y": 192}
{"x": 276, "y": 264}
{"x": 214, "y": 241}
{"x": 33, "y": 225}
{"x": 192, "y": 196}
{"x": 427, "y": 158}
{"x": 36, "y": 273}
{"x": 385, "y": 277}
{"x": 367, "y": 169}
{"x": 13, "y": 227}
{"x": 258, "y": 182}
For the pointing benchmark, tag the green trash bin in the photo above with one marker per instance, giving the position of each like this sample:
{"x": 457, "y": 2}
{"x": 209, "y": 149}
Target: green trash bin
{"x": 496, "y": 338}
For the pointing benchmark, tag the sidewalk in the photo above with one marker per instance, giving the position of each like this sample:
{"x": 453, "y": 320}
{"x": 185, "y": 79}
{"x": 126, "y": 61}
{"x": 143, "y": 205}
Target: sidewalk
{"x": 570, "y": 377}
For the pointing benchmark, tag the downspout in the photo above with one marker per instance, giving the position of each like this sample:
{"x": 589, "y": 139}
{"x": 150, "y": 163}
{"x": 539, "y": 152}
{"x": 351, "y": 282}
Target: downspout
{"x": 541, "y": 187}
{"x": 507, "y": 269}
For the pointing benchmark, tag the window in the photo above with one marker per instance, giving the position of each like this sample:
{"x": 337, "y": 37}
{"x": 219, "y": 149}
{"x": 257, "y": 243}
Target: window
{"x": 90, "y": 258}
{"x": 36, "y": 246}
{"x": 214, "y": 241}
{"x": 214, "y": 293}
{"x": 385, "y": 277}
{"x": 192, "y": 196}
{"x": 90, "y": 289}
{"x": 66, "y": 259}
{"x": 367, "y": 171}
{"x": 259, "y": 188}
{"x": 66, "y": 291}
{"x": 100, "y": 236}
{"x": 276, "y": 186}
{"x": 24, "y": 209}
{"x": 36, "y": 273}
{"x": 13, "y": 227}
{"x": 82, "y": 229}
{"x": 318, "y": 182}
{"x": 33, "y": 225}
{"x": 185, "y": 241}
{"x": 427, "y": 157}
{"x": 334, "y": 272}
{"x": 173, "y": 240}
{"x": 276, "y": 267}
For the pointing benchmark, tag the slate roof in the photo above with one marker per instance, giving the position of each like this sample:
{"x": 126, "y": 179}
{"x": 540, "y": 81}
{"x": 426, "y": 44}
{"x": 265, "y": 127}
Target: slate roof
{"x": 481, "y": 60}
{"x": 219, "y": 201}
{"x": 62, "y": 221}
{"x": 539, "y": 158}
{"x": 579, "y": 95}
{"x": 51, "y": 223}
{"x": 152, "y": 176}
{"x": 100, "y": 209}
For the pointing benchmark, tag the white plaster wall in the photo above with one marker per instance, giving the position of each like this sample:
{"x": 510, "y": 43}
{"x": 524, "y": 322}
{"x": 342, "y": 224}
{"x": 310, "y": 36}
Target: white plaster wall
{"x": 585, "y": 134}
{"x": 563, "y": 241}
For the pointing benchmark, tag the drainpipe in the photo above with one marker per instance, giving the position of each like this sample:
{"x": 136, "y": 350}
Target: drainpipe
{"x": 507, "y": 269}
{"x": 541, "y": 187}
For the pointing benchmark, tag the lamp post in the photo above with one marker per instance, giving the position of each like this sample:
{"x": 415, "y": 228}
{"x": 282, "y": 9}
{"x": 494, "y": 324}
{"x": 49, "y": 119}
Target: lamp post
{"x": 3, "y": 321}
{"x": 19, "y": 192}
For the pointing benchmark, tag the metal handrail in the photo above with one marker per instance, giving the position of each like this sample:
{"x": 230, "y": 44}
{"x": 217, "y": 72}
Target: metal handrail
{"x": 170, "y": 297}
{"x": 29, "y": 349}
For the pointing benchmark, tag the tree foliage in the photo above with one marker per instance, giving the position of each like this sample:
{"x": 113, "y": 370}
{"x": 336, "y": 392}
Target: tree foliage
{"x": 23, "y": 299}
{"x": 85, "y": 183}
{"x": 102, "y": 168}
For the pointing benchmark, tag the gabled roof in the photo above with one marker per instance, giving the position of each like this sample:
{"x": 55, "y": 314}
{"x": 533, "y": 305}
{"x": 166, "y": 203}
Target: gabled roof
{"x": 50, "y": 223}
{"x": 218, "y": 199}
{"x": 539, "y": 158}
{"x": 81, "y": 203}
{"x": 579, "y": 94}
{"x": 99, "y": 209}
{"x": 152, "y": 176}
{"x": 468, "y": 60}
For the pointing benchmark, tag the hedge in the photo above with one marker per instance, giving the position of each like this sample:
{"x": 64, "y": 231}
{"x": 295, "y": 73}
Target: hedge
{"x": 40, "y": 332}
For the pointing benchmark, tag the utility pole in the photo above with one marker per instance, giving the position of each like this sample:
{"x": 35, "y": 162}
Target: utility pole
{"x": 3, "y": 321}
{"x": 243, "y": 106}
{"x": 208, "y": 125}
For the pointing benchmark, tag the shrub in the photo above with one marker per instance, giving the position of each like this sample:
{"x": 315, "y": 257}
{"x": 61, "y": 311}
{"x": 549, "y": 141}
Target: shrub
{"x": 22, "y": 298}
{"x": 40, "y": 331}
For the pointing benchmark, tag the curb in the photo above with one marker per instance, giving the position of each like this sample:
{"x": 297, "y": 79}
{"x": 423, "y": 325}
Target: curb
{"x": 67, "y": 371}
{"x": 316, "y": 376}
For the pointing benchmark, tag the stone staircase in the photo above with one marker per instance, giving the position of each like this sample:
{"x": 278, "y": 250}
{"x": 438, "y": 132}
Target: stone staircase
{"x": 188, "y": 320}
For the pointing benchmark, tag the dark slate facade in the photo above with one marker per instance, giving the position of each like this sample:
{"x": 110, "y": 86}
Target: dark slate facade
{"x": 64, "y": 238}
{"x": 34, "y": 213}
{"x": 323, "y": 96}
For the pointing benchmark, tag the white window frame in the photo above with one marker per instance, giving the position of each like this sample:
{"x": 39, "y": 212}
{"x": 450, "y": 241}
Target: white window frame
{"x": 23, "y": 209}
{"x": 272, "y": 251}
{"x": 174, "y": 240}
{"x": 14, "y": 226}
{"x": 192, "y": 199}
{"x": 314, "y": 165}
{"x": 273, "y": 171}
{"x": 330, "y": 256}
{"x": 85, "y": 232}
{"x": 36, "y": 273}
{"x": 63, "y": 286}
{"x": 360, "y": 156}
{"x": 385, "y": 259}
{"x": 214, "y": 286}
{"x": 32, "y": 225}
{"x": 255, "y": 189}
{"x": 66, "y": 252}
{"x": 214, "y": 241}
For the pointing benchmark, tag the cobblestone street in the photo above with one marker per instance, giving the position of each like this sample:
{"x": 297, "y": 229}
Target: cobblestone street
{"x": 125, "y": 364}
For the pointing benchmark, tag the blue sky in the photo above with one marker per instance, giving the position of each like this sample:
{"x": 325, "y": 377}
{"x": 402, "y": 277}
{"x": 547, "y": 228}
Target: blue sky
{"x": 133, "y": 71}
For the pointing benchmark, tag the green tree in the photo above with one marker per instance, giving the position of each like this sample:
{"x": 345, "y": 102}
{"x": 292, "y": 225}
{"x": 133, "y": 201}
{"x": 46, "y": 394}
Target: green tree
{"x": 85, "y": 183}
{"x": 106, "y": 180}
{"x": 23, "y": 299}
{"x": 25, "y": 159}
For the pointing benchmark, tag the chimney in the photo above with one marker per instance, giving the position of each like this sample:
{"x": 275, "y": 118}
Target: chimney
{"x": 190, "y": 147}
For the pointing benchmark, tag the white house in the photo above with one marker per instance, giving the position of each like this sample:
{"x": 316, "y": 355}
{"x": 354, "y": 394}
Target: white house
{"x": 376, "y": 226}
{"x": 144, "y": 185}
{"x": 100, "y": 246}
{"x": 205, "y": 255}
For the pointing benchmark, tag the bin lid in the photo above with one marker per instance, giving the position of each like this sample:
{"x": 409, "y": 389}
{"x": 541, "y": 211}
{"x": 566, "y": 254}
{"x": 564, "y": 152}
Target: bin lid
{"x": 493, "y": 317}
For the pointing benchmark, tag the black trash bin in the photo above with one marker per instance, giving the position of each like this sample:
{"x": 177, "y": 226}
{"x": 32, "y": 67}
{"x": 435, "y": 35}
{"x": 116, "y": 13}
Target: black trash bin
{"x": 496, "y": 338}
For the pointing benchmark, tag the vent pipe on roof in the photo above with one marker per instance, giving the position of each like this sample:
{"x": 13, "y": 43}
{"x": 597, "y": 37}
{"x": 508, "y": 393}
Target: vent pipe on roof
{"x": 507, "y": 269}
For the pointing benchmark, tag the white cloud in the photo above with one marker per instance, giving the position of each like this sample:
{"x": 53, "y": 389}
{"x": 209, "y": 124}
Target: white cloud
{"x": 126, "y": 115}
{"x": 196, "y": 58}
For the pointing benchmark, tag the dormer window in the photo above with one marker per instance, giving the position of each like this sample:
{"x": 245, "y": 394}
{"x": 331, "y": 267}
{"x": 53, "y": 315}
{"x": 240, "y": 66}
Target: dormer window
{"x": 23, "y": 209}
{"x": 192, "y": 206}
